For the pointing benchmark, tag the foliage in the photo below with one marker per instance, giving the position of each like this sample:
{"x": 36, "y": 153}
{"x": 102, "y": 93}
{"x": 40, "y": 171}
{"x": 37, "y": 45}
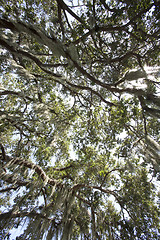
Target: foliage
{"x": 79, "y": 119}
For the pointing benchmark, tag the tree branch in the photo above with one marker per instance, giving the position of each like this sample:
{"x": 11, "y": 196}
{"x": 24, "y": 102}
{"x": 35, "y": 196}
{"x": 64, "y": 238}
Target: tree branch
{"x": 19, "y": 94}
{"x": 32, "y": 214}
{"x": 36, "y": 168}
{"x": 65, "y": 7}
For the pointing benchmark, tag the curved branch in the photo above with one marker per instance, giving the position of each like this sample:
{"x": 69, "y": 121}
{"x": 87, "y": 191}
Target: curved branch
{"x": 30, "y": 165}
{"x": 116, "y": 169}
{"x": 79, "y": 186}
{"x": 28, "y": 55}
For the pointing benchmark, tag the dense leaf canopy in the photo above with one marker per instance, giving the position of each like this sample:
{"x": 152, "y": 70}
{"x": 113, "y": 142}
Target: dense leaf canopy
{"x": 80, "y": 119}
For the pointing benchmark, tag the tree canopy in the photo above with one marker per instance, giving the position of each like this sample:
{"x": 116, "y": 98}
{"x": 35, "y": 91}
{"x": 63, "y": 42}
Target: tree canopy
{"x": 80, "y": 119}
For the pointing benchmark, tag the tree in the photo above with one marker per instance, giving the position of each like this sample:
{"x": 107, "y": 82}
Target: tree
{"x": 79, "y": 119}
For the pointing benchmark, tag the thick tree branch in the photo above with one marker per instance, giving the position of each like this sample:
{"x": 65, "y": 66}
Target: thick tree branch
{"x": 36, "y": 168}
{"x": 27, "y": 55}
